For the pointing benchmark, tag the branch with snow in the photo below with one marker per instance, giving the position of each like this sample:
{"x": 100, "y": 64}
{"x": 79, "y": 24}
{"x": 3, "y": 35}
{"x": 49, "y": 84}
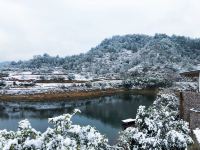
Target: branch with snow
{"x": 157, "y": 127}
{"x": 64, "y": 135}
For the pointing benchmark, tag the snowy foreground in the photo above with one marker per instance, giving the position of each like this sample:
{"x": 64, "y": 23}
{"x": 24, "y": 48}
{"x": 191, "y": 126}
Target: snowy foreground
{"x": 157, "y": 128}
{"x": 197, "y": 134}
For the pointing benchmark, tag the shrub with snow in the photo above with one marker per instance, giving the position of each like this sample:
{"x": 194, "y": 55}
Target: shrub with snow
{"x": 43, "y": 77}
{"x": 146, "y": 82}
{"x": 2, "y": 84}
{"x": 27, "y": 84}
{"x": 88, "y": 84}
{"x": 71, "y": 76}
{"x": 157, "y": 127}
{"x": 64, "y": 135}
{"x": 57, "y": 78}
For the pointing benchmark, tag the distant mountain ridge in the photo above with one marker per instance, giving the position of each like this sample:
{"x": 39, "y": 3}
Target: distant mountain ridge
{"x": 129, "y": 54}
{"x": 4, "y": 63}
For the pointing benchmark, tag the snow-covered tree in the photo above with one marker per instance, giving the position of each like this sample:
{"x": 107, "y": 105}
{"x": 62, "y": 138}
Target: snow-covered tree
{"x": 159, "y": 54}
{"x": 157, "y": 127}
{"x": 63, "y": 136}
{"x": 71, "y": 76}
{"x": 2, "y": 84}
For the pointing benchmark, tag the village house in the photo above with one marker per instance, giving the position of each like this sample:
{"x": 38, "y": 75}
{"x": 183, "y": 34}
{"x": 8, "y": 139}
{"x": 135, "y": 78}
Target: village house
{"x": 190, "y": 103}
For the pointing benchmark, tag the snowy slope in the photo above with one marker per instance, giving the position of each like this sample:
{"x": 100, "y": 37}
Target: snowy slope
{"x": 159, "y": 54}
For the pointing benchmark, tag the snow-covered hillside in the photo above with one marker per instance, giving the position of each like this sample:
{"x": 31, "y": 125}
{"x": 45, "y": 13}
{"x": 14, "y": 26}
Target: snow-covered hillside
{"x": 153, "y": 55}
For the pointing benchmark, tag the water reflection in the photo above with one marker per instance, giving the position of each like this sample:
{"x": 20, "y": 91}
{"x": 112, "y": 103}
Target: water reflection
{"x": 111, "y": 110}
{"x": 105, "y": 113}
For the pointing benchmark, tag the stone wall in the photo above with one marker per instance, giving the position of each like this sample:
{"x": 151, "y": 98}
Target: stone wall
{"x": 188, "y": 101}
{"x": 194, "y": 119}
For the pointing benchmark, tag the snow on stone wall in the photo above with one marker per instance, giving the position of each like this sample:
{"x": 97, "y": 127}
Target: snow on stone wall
{"x": 194, "y": 119}
{"x": 188, "y": 101}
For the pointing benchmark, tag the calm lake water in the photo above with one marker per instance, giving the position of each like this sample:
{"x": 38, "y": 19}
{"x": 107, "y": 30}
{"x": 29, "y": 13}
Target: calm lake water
{"x": 105, "y": 113}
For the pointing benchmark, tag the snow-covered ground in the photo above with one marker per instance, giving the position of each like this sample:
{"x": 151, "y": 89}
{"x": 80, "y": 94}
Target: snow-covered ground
{"x": 27, "y": 82}
{"x": 59, "y": 87}
{"x": 197, "y": 134}
{"x": 53, "y": 85}
{"x": 185, "y": 86}
{"x": 27, "y": 75}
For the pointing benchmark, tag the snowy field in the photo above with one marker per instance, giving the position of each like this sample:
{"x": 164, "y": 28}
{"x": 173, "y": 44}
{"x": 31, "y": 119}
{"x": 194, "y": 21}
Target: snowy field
{"x": 47, "y": 76}
{"x": 25, "y": 83}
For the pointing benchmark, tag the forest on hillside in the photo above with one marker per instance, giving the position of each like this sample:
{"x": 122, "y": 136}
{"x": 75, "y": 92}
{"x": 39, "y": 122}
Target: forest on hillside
{"x": 120, "y": 54}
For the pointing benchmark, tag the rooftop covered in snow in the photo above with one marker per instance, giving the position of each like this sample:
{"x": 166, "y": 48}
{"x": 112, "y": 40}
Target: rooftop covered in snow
{"x": 128, "y": 120}
{"x": 193, "y": 73}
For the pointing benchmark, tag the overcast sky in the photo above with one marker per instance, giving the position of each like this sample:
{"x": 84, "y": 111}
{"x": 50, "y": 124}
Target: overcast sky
{"x": 67, "y": 27}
